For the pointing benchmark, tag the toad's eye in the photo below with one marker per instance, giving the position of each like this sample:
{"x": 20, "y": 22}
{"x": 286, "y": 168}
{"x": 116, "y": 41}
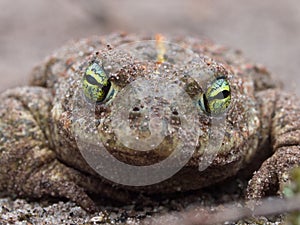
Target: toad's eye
{"x": 96, "y": 84}
{"x": 217, "y": 98}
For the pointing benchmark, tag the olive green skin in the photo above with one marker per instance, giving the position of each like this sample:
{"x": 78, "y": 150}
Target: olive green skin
{"x": 40, "y": 157}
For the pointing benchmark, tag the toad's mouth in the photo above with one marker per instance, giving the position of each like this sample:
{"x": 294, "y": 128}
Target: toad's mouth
{"x": 142, "y": 142}
{"x": 109, "y": 153}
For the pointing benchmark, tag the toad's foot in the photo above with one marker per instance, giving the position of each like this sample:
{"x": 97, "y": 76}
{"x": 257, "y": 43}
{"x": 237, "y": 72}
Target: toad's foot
{"x": 57, "y": 180}
{"x": 28, "y": 165}
{"x": 285, "y": 136}
{"x": 273, "y": 172}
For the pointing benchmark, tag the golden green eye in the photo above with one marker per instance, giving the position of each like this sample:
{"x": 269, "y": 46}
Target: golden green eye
{"x": 96, "y": 84}
{"x": 217, "y": 97}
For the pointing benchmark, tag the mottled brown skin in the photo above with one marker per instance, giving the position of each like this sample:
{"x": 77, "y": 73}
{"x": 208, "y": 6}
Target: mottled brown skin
{"x": 39, "y": 155}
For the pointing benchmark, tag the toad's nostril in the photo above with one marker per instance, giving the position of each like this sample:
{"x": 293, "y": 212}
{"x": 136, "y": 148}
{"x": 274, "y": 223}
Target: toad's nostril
{"x": 136, "y": 109}
{"x": 175, "y": 113}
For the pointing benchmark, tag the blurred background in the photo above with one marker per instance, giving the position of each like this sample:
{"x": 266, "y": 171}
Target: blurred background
{"x": 267, "y": 31}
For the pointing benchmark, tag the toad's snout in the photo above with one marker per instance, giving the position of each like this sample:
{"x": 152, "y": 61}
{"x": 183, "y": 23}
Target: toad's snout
{"x": 159, "y": 117}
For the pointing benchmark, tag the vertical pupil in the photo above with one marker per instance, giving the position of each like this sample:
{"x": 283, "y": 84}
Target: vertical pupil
{"x": 207, "y": 109}
{"x": 106, "y": 88}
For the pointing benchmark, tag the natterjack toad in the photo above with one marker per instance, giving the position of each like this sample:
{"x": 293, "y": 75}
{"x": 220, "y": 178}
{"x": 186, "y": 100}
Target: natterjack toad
{"x": 121, "y": 114}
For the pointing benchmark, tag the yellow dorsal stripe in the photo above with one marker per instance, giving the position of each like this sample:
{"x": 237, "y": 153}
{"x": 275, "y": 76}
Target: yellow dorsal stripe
{"x": 160, "y": 48}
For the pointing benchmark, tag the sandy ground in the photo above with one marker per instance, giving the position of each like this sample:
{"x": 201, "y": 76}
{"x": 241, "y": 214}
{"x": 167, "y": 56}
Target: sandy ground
{"x": 267, "y": 31}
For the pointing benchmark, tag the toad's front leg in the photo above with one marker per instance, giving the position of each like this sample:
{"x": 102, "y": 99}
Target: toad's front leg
{"x": 284, "y": 133}
{"x": 28, "y": 166}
